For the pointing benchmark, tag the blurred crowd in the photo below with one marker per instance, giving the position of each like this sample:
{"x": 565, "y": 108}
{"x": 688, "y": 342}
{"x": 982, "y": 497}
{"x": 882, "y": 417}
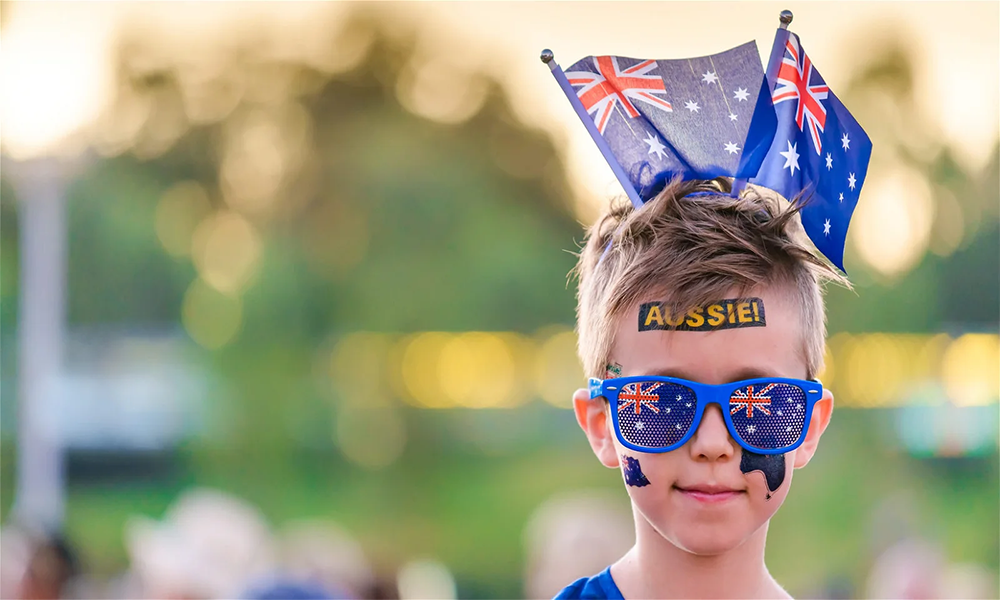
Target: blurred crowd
{"x": 210, "y": 544}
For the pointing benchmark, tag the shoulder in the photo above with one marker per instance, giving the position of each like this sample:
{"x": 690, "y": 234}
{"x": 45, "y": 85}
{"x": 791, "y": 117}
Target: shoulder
{"x": 600, "y": 586}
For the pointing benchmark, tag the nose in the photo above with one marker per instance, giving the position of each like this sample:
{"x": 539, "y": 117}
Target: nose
{"x": 712, "y": 442}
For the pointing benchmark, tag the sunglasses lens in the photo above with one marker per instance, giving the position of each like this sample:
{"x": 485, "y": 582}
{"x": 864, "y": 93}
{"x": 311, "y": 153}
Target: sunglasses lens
{"x": 654, "y": 414}
{"x": 768, "y": 416}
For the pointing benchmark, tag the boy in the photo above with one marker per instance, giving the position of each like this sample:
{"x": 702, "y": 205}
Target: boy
{"x": 680, "y": 302}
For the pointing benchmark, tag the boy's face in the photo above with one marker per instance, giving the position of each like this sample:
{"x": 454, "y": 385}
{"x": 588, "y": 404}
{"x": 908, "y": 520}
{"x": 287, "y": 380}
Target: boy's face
{"x": 706, "y": 497}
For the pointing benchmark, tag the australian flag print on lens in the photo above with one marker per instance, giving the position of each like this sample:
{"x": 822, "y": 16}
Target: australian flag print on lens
{"x": 688, "y": 117}
{"x": 768, "y": 416}
{"x": 819, "y": 149}
{"x": 655, "y": 414}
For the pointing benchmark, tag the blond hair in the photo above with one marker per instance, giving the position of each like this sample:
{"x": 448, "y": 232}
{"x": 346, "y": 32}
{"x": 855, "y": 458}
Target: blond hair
{"x": 692, "y": 251}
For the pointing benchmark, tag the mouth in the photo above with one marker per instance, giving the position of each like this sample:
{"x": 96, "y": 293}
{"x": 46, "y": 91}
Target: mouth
{"x": 709, "y": 494}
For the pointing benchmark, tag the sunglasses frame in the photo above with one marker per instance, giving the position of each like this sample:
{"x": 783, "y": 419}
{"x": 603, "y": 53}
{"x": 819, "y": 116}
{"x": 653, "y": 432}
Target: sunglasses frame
{"x": 705, "y": 394}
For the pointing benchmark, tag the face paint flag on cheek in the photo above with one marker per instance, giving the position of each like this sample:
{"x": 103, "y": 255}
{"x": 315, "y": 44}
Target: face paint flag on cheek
{"x": 772, "y": 466}
{"x": 633, "y": 472}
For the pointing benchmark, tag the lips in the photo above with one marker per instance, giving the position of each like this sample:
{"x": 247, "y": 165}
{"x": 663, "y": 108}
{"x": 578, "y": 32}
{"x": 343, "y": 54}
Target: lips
{"x": 709, "y": 493}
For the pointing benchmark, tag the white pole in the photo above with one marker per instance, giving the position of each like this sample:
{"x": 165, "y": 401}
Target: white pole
{"x": 39, "y": 495}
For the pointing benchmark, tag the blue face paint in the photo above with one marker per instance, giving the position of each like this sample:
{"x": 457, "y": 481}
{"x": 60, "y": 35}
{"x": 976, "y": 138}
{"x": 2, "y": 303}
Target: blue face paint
{"x": 772, "y": 466}
{"x": 633, "y": 472}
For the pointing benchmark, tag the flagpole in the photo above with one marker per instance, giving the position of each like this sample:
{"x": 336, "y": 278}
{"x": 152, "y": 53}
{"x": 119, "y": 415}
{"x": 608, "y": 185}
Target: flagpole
{"x": 778, "y": 48}
{"x": 549, "y": 59}
{"x": 773, "y": 65}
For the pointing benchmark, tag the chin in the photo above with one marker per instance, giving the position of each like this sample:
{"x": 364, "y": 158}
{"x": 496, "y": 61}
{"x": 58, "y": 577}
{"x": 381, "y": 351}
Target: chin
{"x": 705, "y": 542}
{"x": 706, "y": 538}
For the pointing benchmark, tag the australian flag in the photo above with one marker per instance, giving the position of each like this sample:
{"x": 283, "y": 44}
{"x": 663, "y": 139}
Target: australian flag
{"x": 663, "y": 118}
{"x": 719, "y": 116}
{"x": 818, "y": 149}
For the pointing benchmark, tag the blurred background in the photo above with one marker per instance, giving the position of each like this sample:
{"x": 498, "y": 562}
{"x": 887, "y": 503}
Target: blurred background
{"x": 285, "y": 313}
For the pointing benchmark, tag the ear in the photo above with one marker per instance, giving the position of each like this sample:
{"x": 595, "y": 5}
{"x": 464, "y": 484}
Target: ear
{"x": 592, "y": 416}
{"x": 822, "y": 411}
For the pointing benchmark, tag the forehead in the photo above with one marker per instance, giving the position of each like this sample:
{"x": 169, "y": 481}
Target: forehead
{"x": 768, "y": 347}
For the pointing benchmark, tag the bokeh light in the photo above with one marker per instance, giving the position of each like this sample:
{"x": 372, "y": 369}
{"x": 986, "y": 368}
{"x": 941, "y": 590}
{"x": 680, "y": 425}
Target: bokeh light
{"x": 421, "y": 356}
{"x": 263, "y": 148}
{"x": 180, "y": 210}
{"x": 891, "y": 228}
{"x": 442, "y": 90}
{"x": 426, "y": 579}
{"x": 211, "y": 318}
{"x": 971, "y": 369}
{"x": 226, "y": 249}
{"x": 476, "y": 370}
{"x": 60, "y": 72}
{"x": 557, "y": 371}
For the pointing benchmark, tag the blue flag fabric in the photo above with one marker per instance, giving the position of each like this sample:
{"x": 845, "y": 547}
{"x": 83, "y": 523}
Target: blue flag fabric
{"x": 696, "y": 117}
{"x": 819, "y": 149}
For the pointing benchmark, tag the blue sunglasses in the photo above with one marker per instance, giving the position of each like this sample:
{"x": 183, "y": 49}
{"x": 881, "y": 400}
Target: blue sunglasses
{"x": 660, "y": 414}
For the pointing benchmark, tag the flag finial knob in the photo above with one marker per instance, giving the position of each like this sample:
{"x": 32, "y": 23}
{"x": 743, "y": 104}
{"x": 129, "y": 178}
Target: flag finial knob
{"x": 786, "y": 18}
{"x": 547, "y": 56}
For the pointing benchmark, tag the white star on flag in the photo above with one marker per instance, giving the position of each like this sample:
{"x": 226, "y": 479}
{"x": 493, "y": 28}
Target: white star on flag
{"x": 791, "y": 158}
{"x": 741, "y": 94}
{"x": 639, "y": 424}
{"x": 678, "y": 426}
{"x": 688, "y": 405}
{"x": 692, "y": 106}
{"x": 709, "y": 77}
{"x": 826, "y": 227}
{"x": 841, "y": 196}
{"x": 846, "y": 141}
{"x": 851, "y": 181}
{"x": 751, "y": 428}
{"x": 732, "y": 116}
{"x": 779, "y": 413}
{"x": 829, "y": 161}
{"x": 655, "y": 146}
{"x": 668, "y": 409}
{"x": 678, "y": 397}
{"x": 732, "y": 148}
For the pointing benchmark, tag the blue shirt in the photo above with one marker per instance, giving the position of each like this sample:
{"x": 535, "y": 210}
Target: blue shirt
{"x": 600, "y": 586}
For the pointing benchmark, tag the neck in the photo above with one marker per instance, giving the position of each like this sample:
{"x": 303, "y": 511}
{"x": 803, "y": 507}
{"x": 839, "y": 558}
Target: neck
{"x": 656, "y": 568}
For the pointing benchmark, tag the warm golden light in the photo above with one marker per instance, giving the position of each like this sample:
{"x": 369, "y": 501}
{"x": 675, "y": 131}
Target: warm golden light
{"x": 558, "y": 372}
{"x": 211, "y": 318}
{"x": 55, "y": 75}
{"x": 263, "y": 149}
{"x": 421, "y": 356}
{"x": 441, "y": 90}
{"x": 873, "y": 369}
{"x": 226, "y": 249}
{"x": 180, "y": 210}
{"x": 891, "y": 227}
{"x": 476, "y": 370}
{"x": 971, "y": 369}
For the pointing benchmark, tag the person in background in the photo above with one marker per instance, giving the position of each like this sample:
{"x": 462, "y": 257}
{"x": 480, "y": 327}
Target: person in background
{"x": 51, "y": 566}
